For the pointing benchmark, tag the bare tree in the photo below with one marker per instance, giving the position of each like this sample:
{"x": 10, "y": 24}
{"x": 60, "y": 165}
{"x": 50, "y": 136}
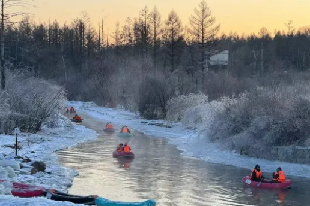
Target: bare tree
{"x": 156, "y": 30}
{"x": 5, "y": 17}
{"x": 204, "y": 31}
{"x": 127, "y": 32}
{"x": 172, "y": 34}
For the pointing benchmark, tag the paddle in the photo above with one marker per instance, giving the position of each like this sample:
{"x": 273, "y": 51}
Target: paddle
{"x": 259, "y": 183}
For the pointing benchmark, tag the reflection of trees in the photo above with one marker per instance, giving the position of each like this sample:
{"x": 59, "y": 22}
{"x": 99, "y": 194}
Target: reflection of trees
{"x": 164, "y": 175}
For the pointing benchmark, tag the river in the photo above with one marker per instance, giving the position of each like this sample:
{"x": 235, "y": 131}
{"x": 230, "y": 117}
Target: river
{"x": 160, "y": 172}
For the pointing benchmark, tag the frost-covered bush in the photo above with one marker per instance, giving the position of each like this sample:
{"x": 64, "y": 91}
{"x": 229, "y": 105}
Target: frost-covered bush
{"x": 27, "y": 102}
{"x": 177, "y": 107}
{"x": 202, "y": 115}
{"x": 263, "y": 118}
{"x": 153, "y": 97}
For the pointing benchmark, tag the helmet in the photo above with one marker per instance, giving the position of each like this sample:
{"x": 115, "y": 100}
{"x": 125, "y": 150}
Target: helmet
{"x": 125, "y": 144}
{"x": 257, "y": 167}
{"x": 279, "y": 168}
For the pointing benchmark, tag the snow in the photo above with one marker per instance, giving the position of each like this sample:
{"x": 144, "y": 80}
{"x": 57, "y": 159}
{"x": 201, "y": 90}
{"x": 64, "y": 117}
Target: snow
{"x": 13, "y": 201}
{"x": 41, "y": 147}
{"x": 190, "y": 141}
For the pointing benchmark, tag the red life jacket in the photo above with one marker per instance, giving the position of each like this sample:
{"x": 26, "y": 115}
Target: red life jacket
{"x": 125, "y": 130}
{"x": 109, "y": 126}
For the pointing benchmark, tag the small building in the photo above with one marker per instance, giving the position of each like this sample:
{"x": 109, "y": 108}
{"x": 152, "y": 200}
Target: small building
{"x": 219, "y": 60}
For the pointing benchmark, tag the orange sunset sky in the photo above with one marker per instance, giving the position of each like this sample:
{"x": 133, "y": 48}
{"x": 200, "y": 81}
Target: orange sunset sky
{"x": 241, "y": 16}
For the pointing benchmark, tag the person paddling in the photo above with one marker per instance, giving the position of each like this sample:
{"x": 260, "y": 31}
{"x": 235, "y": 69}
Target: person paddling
{"x": 120, "y": 147}
{"x": 108, "y": 125}
{"x": 127, "y": 147}
{"x": 257, "y": 174}
{"x": 125, "y": 129}
{"x": 279, "y": 176}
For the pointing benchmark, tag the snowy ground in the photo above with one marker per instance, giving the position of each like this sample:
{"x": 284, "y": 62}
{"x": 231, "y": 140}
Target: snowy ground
{"x": 187, "y": 140}
{"x": 40, "y": 147}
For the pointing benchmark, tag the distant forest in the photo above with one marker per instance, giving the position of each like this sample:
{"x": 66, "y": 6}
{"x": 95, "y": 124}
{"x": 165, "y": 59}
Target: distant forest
{"x": 150, "y": 59}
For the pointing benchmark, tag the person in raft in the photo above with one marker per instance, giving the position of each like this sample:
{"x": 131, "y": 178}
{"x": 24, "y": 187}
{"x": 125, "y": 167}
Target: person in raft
{"x": 278, "y": 176}
{"x": 77, "y": 117}
{"x": 126, "y": 148}
{"x": 256, "y": 174}
{"x": 108, "y": 125}
{"x": 120, "y": 147}
{"x": 125, "y": 129}
{"x": 71, "y": 109}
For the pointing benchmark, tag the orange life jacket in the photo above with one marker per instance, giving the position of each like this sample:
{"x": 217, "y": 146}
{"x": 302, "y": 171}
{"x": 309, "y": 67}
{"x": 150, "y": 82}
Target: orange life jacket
{"x": 78, "y": 118}
{"x": 127, "y": 148}
{"x": 125, "y": 130}
{"x": 258, "y": 174}
{"x": 109, "y": 126}
{"x": 119, "y": 148}
{"x": 281, "y": 177}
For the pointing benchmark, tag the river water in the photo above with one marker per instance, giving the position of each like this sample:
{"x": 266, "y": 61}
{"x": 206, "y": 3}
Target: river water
{"x": 160, "y": 172}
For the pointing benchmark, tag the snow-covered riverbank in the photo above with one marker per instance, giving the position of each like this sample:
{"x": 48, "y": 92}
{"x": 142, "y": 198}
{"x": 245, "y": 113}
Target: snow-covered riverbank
{"x": 41, "y": 147}
{"x": 187, "y": 140}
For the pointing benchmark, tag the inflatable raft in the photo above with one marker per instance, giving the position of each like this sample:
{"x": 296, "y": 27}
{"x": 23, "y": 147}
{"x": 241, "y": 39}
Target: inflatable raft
{"x": 109, "y": 130}
{"x": 121, "y": 134}
{"x": 76, "y": 120}
{"x": 105, "y": 202}
{"x": 123, "y": 154}
{"x": 271, "y": 185}
{"x": 25, "y": 190}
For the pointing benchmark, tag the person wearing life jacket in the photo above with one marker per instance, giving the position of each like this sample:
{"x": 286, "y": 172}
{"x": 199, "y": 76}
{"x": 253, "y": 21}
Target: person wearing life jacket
{"x": 279, "y": 176}
{"x": 126, "y": 148}
{"x": 256, "y": 174}
{"x": 125, "y": 129}
{"x": 109, "y": 126}
{"x": 120, "y": 147}
{"x": 71, "y": 109}
{"x": 75, "y": 116}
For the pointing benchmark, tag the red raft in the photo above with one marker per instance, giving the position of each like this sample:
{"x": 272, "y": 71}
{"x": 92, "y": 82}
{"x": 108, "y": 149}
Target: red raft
{"x": 123, "y": 154}
{"x": 271, "y": 185}
{"x": 25, "y": 190}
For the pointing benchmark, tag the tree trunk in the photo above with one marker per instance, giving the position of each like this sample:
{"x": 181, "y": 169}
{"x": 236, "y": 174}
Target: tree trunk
{"x": 2, "y": 47}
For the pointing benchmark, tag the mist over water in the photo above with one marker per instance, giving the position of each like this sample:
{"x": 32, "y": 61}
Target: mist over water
{"x": 160, "y": 172}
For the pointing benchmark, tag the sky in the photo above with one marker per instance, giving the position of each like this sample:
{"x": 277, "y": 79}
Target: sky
{"x": 241, "y": 16}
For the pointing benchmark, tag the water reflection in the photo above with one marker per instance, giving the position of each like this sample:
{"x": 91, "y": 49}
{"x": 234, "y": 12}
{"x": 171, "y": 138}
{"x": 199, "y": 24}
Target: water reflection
{"x": 161, "y": 173}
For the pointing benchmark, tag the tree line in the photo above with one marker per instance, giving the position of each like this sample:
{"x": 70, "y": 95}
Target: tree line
{"x": 149, "y": 59}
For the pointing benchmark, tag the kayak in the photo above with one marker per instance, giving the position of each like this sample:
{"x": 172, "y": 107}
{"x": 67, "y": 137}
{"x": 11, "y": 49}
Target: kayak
{"x": 271, "y": 185}
{"x": 109, "y": 130}
{"x": 105, "y": 202}
{"x": 64, "y": 197}
{"x": 123, "y": 154}
{"x": 124, "y": 134}
{"x": 25, "y": 190}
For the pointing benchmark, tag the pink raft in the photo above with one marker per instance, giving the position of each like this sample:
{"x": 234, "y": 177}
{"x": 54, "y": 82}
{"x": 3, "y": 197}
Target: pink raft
{"x": 271, "y": 185}
{"x": 24, "y": 190}
{"x": 123, "y": 154}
